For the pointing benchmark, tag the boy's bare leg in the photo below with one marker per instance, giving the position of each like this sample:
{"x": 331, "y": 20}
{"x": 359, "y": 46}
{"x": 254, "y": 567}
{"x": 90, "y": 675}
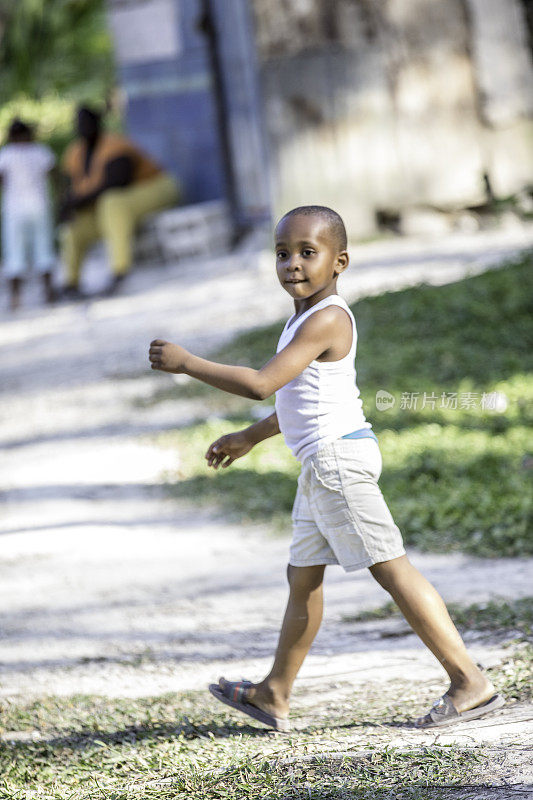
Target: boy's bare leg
{"x": 424, "y": 610}
{"x": 301, "y": 622}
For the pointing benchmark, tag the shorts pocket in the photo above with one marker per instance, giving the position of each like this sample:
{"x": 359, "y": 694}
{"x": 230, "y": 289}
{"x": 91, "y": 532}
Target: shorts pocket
{"x": 326, "y": 470}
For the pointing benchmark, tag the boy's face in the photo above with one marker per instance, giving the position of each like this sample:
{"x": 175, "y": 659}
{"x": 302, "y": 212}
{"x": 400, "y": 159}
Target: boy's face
{"x": 308, "y": 260}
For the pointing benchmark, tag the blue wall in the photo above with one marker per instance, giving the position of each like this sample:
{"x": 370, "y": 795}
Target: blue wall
{"x": 198, "y": 112}
{"x": 243, "y": 110}
{"x": 171, "y": 111}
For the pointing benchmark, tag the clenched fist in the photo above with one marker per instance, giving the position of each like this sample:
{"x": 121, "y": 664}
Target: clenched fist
{"x": 167, "y": 357}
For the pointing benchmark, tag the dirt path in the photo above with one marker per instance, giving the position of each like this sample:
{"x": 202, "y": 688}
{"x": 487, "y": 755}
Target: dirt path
{"x": 109, "y": 588}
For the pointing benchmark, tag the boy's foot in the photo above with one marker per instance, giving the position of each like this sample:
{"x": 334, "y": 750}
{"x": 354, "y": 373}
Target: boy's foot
{"x": 254, "y": 700}
{"x": 443, "y": 712}
{"x": 471, "y": 693}
{"x": 262, "y": 696}
{"x": 461, "y": 703}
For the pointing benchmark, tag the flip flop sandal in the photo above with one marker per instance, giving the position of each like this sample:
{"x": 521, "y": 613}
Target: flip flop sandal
{"x": 233, "y": 695}
{"x": 443, "y": 712}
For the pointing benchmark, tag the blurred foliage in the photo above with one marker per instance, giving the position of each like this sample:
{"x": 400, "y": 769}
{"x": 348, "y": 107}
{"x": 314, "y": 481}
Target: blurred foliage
{"x": 55, "y": 47}
{"x": 52, "y": 116}
{"x": 53, "y": 55}
{"x": 454, "y": 479}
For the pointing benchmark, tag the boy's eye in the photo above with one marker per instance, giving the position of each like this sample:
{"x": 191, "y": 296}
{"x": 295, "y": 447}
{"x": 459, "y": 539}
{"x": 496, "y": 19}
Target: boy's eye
{"x": 308, "y": 251}
{"x": 281, "y": 254}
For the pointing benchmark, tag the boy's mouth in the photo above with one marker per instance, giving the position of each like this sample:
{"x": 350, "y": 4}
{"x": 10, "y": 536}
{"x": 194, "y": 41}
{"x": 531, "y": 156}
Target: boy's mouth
{"x": 295, "y": 280}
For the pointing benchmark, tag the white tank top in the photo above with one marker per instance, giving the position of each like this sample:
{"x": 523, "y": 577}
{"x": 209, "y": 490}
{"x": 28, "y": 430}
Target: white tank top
{"x": 322, "y": 403}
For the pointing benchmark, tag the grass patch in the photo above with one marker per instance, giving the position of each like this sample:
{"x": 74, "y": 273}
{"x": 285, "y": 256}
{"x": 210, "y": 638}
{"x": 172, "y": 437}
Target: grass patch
{"x": 515, "y": 676}
{"x": 494, "y": 616}
{"x": 451, "y": 488}
{"x": 455, "y": 478}
{"x": 171, "y": 746}
{"x": 163, "y": 774}
{"x": 478, "y": 329}
{"x": 180, "y": 746}
{"x": 386, "y": 611}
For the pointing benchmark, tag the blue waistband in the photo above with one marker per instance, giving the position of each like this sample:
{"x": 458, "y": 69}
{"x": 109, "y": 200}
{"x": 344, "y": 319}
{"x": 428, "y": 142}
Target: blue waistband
{"x": 360, "y": 434}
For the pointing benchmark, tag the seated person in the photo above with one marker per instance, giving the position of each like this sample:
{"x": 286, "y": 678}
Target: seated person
{"x": 112, "y": 185}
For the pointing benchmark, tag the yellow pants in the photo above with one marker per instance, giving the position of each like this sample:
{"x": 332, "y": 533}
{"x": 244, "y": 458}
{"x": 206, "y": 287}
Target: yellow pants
{"x": 113, "y": 218}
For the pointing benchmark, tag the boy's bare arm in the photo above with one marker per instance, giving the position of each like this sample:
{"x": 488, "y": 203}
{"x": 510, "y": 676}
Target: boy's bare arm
{"x": 319, "y": 334}
{"x": 264, "y": 429}
{"x": 235, "y": 445}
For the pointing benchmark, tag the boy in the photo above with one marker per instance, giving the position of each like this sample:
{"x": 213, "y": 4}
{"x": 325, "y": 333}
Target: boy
{"x": 26, "y": 218}
{"x": 340, "y": 515}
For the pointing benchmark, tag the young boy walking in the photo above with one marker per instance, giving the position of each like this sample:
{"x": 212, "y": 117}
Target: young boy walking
{"x": 339, "y": 515}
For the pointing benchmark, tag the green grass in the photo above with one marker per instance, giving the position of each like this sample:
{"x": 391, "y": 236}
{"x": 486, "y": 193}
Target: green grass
{"x": 454, "y": 479}
{"x": 496, "y": 616}
{"x": 178, "y": 746}
{"x": 493, "y": 616}
{"x": 186, "y": 746}
{"x": 166, "y": 770}
{"x": 515, "y": 676}
{"x": 386, "y": 611}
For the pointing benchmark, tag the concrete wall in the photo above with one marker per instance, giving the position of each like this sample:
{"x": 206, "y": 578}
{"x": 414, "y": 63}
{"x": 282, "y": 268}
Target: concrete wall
{"x": 501, "y": 56}
{"x": 388, "y": 104}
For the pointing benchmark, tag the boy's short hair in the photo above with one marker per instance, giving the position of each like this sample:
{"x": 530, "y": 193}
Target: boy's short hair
{"x": 330, "y": 217}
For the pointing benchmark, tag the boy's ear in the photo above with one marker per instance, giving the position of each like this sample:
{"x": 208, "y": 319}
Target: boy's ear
{"x": 341, "y": 262}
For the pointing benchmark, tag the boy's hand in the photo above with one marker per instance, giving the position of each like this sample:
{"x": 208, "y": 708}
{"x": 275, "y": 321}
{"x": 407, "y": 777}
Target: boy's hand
{"x": 166, "y": 356}
{"x": 226, "y": 449}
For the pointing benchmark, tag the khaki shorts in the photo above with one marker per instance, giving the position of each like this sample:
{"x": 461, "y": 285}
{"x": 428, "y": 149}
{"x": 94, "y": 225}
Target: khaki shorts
{"x": 340, "y": 515}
